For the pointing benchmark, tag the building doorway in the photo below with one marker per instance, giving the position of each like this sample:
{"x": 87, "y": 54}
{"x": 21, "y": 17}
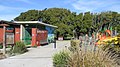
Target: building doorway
{"x": 27, "y": 36}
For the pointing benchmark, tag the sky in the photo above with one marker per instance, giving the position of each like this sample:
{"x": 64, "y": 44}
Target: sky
{"x": 9, "y": 9}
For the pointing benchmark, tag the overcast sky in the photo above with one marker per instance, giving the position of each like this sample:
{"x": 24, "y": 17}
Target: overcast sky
{"x": 9, "y": 9}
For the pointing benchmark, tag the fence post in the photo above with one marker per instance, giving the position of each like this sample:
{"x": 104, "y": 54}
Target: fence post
{"x": 54, "y": 43}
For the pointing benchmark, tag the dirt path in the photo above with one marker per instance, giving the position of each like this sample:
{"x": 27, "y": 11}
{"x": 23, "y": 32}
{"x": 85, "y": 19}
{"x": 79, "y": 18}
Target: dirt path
{"x": 36, "y": 57}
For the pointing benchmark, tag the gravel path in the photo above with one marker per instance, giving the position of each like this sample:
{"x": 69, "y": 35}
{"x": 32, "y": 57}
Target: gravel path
{"x": 35, "y": 57}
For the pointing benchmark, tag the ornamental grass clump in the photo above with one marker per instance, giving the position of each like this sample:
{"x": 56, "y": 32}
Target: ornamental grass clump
{"x": 99, "y": 58}
{"x": 19, "y": 48}
{"x": 82, "y": 57}
{"x": 78, "y": 56}
{"x": 60, "y": 59}
{"x": 75, "y": 44}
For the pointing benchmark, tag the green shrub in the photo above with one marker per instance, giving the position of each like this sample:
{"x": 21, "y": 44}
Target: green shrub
{"x": 112, "y": 45}
{"x": 19, "y": 48}
{"x": 60, "y": 59}
{"x": 1, "y": 45}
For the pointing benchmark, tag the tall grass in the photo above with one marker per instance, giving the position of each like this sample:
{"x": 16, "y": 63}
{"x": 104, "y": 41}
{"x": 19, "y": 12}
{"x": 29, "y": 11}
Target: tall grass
{"x": 99, "y": 58}
{"x": 60, "y": 59}
{"x": 78, "y": 56}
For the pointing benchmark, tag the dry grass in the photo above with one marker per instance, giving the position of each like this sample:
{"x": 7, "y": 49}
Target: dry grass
{"x": 80, "y": 56}
{"x": 99, "y": 58}
{"x": 2, "y": 56}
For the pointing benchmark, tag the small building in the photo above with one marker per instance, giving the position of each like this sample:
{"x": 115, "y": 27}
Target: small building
{"x": 9, "y": 34}
{"x": 32, "y": 33}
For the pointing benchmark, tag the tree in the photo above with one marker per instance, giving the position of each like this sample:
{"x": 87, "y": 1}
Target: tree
{"x": 68, "y": 21}
{"x": 54, "y": 16}
{"x": 30, "y": 15}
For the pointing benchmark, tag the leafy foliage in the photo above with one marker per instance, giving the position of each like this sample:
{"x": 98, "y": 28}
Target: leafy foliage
{"x": 113, "y": 45}
{"x": 68, "y": 21}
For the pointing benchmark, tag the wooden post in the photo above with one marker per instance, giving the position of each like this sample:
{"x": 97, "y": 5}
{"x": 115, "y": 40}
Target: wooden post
{"x": 21, "y": 32}
{"x": 4, "y": 43}
{"x": 17, "y": 35}
{"x": 34, "y": 34}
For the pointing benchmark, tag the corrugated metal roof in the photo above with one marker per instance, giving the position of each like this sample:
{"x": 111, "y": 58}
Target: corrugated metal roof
{"x": 34, "y": 22}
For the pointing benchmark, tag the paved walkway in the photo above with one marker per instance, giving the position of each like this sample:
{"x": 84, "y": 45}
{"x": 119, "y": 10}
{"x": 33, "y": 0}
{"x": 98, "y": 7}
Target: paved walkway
{"x": 36, "y": 57}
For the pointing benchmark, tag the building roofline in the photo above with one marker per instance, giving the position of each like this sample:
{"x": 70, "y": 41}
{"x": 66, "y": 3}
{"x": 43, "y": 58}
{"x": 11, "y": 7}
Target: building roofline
{"x": 8, "y": 22}
{"x": 35, "y": 22}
